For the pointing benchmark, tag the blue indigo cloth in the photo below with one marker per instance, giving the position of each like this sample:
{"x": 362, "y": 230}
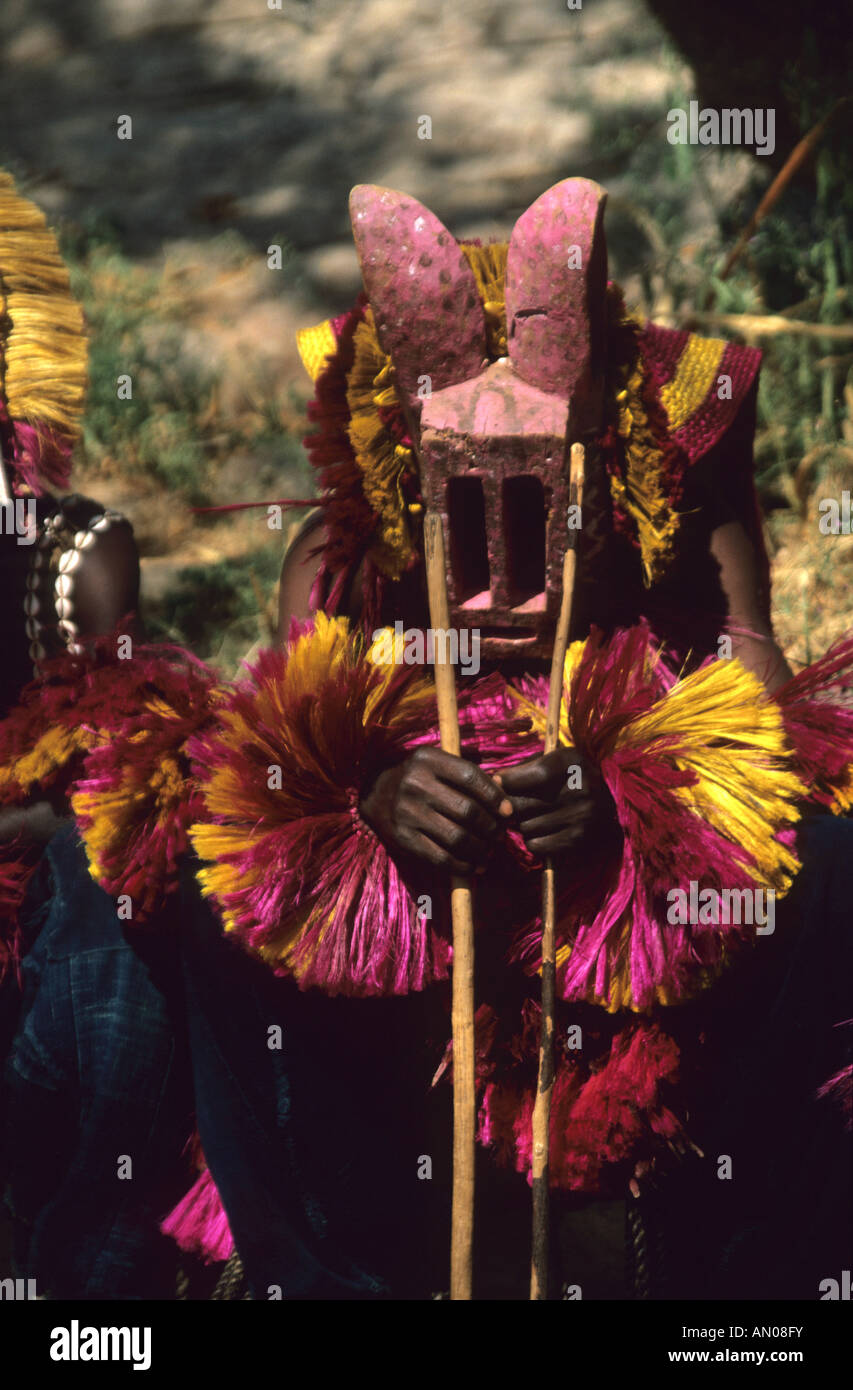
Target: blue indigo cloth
{"x": 315, "y": 1115}
{"x": 96, "y": 1083}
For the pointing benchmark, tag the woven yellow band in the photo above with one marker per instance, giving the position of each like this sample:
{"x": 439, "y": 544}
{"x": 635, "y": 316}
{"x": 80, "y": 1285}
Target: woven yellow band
{"x": 314, "y": 346}
{"x": 693, "y": 378}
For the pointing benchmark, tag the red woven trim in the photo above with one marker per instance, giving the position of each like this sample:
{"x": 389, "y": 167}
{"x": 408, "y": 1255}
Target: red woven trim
{"x": 709, "y": 423}
{"x": 662, "y": 349}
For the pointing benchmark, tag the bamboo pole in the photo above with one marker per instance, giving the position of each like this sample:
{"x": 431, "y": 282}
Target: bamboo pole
{"x": 461, "y": 905}
{"x": 545, "y": 1083}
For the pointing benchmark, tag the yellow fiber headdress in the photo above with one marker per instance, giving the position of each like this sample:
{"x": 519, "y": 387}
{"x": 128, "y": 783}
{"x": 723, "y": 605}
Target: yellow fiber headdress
{"x": 43, "y": 348}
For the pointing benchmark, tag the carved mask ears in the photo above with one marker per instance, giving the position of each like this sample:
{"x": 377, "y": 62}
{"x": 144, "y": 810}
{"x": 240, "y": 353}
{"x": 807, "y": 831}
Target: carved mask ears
{"x": 427, "y": 308}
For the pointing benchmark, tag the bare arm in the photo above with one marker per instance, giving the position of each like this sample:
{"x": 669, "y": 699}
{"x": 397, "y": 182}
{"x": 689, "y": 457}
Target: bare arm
{"x": 752, "y": 637}
{"x": 106, "y": 586}
{"x": 726, "y": 495}
{"x": 298, "y": 573}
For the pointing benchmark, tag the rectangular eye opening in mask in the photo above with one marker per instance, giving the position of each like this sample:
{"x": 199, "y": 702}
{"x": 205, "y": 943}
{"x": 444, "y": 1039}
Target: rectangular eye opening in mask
{"x": 524, "y": 533}
{"x": 469, "y": 552}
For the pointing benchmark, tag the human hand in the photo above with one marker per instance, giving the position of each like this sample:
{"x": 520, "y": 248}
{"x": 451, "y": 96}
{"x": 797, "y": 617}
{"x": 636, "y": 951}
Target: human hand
{"x": 558, "y": 802}
{"x": 439, "y": 808}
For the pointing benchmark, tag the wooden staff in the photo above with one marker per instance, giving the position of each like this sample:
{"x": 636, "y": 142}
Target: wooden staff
{"x": 464, "y": 1103}
{"x": 5, "y": 490}
{"x": 545, "y": 1084}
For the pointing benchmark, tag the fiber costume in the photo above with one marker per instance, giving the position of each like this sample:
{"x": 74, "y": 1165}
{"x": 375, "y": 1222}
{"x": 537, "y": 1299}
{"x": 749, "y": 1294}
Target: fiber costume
{"x": 45, "y": 540}
{"x": 43, "y": 375}
{"x": 709, "y": 774}
{"x": 87, "y": 1032}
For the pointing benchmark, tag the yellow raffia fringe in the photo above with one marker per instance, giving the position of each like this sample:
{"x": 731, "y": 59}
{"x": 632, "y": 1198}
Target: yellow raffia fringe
{"x": 729, "y": 733}
{"x": 488, "y": 264}
{"x": 283, "y": 950}
{"x": 734, "y": 735}
{"x": 692, "y": 380}
{"x": 314, "y": 659}
{"x": 42, "y": 337}
{"x": 381, "y": 459}
{"x": 56, "y": 747}
{"x": 536, "y": 713}
{"x": 213, "y": 843}
{"x": 111, "y": 816}
{"x": 641, "y": 493}
{"x": 843, "y": 795}
{"x": 219, "y": 878}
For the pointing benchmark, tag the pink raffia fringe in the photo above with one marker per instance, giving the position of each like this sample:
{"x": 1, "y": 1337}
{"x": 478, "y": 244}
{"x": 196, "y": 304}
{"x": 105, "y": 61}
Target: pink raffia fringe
{"x": 649, "y": 737}
{"x": 817, "y": 709}
{"x": 40, "y": 456}
{"x": 839, "y": 1088}
{"x": 297, "y": 874}
{"x": 198, "y": 1224}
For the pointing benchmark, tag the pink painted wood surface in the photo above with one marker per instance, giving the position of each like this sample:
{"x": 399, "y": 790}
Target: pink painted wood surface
{"x": 423, "y": 293}
{"x": 555, "y": 309}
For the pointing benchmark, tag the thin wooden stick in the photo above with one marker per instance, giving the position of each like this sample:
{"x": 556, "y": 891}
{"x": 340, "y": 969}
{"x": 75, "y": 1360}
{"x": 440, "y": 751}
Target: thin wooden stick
{"x": 5, "y": 491}
{"x": 461, "y": 906}
{"x": 542, "y": 1106}
{"x": 802, "y": 151}
{"x": 771, "y": 325}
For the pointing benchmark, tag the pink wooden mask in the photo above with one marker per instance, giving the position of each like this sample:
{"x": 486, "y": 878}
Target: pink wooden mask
{"x": 493, "y": 438}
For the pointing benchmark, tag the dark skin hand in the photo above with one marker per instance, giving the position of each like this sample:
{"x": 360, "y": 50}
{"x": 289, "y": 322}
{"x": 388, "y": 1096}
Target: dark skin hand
{"x": 449, "y": 812}
{"x": 552, "y": 813}
{"x": 439, "y": 808}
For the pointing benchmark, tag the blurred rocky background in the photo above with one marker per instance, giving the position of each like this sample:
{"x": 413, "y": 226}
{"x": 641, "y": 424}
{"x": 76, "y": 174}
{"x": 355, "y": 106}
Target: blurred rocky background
{"x": 251, "y": 122}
